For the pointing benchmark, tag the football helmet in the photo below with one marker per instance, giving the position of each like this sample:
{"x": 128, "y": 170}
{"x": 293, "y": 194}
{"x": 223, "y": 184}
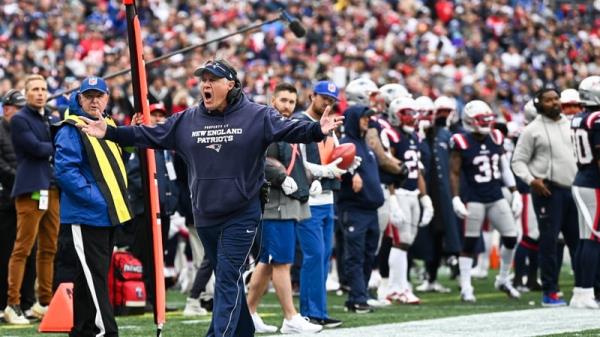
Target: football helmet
{"x": 478, "y": 117}
{"x": 589, "y": 91}
{"x": 361, "y": 91}
{"x": 403, "y": 108}
{"x": 391, "y": 91}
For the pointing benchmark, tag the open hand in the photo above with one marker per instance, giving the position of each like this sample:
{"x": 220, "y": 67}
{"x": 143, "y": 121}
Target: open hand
{"x": 330, "y": 123}
{"x": 95, "y": 128}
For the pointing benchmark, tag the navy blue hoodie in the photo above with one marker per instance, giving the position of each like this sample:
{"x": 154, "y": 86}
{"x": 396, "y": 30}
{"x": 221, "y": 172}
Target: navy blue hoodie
{"x": 370, "y": 197}
{"x": 225, "y": 153}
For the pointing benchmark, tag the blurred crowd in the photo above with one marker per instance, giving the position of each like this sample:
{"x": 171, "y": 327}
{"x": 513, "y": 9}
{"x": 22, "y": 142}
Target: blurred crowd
{"x": 498, "y": 51}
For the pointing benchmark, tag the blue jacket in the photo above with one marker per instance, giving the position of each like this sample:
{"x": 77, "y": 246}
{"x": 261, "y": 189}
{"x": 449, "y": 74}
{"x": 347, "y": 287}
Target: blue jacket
{"x": 370, "y": 197}
{"x": 225, "y": 153}
{"x": 81, "y": 200}
{"x": 33, "y": 148}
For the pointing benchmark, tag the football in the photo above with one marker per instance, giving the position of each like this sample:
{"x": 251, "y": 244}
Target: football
{"x": 347, "y": 152}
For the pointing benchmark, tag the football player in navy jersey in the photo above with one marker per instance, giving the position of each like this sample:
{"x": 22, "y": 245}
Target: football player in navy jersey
{"x": 479, "y": 154}
{"x": 585, "y": 136}
{"x": 406, "y": 199}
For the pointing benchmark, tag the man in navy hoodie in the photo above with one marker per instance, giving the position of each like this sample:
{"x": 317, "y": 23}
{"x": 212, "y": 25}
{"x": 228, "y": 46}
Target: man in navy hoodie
{"x": 223, "y": 141}
{"x": 360, "y": 197}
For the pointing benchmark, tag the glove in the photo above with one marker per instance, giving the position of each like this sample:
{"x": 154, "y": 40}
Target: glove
{"x": 315, "y": 188}
{"x": 517, "y": 203}
{"x": 355, "y": 164}
{"x": 289, "y": 186}
{"x": 332, "y": 171}
{"x": 459, "y": 208}
{"x": 397, "y": 217}
{"x": 427, "y": 206}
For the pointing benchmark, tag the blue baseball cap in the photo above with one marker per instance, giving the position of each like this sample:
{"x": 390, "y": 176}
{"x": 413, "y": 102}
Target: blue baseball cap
{"x": 93, "y": 83}
{"x": 218, "y": 69}
{"x": 327, "y": 88}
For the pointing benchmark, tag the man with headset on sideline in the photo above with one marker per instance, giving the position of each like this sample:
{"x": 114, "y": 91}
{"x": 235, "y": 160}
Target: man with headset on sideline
{"x": 223, "y": 140}
{"x": 544, "y": 159}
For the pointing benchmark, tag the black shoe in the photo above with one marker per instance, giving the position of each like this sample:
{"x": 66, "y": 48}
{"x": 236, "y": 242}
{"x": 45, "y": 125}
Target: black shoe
{"x": 326, "y": 322}
{"x": 534, "y": 286}
{"x": 208, "y": 305}
{"x": 359, "y": 308}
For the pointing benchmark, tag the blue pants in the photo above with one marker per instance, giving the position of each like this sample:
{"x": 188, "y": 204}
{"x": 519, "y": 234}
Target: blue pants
{"x": 556, "y": 213}
{"x": 316, "y": 239}
{"x": 361, "y": 236}
{"x": 228, "y": 247}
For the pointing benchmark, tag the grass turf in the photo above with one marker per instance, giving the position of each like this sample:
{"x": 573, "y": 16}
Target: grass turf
{"x": 433, "y": 306}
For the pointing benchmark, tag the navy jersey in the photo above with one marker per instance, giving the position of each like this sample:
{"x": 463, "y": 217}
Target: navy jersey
{"x": 585, "y": 136}
{"x": 481, "y": 165}
{"x": 425, "y": 156}
{"x": 407, "y": 150}
{"x": 388, "y": 135}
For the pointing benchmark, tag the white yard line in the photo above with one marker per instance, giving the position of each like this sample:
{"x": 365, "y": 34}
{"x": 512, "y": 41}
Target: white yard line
{"x": 520, "y": 323}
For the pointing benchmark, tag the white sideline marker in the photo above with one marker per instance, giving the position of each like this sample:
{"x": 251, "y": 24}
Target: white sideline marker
{"x": 521, "y": 323}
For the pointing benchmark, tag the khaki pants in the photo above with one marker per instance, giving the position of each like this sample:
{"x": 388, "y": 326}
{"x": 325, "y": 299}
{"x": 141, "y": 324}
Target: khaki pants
{"x": 32, "y": 223}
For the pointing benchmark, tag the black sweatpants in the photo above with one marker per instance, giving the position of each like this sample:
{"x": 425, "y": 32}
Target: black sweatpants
{"x": 93, "y": 313}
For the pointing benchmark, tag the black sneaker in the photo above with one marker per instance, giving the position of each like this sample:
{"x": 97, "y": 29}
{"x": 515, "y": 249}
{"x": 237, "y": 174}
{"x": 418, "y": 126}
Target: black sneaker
{"x": 207, "y": 304}
{"x": 326, "y": 322}
{"x": 534, "y": 286}
{"x": 359, "y": 308}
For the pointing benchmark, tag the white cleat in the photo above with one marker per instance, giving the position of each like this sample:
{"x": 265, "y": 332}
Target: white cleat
{"x": 407, "y": 297}
{"x": 506, "y": 286}
{"x": 260, "y": 326}
{"x": 467, "y": 295}
{"x": 379, "y": 303}
{"x": 427, "y": 287}
{"x": 299, "y": 324}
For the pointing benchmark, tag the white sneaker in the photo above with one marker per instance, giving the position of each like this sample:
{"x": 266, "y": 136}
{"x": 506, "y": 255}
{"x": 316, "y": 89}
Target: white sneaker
{"x": 193, "y": 308}
{"x": 331, "y": 284}
{"x": 506, "y": 286}
{"x": 299, "y": 324}
{"x": 468, "y": 295}
{"x": 14, "y": 315}
{"x": 260, "y": 326}
{"x": 378, "y": 303}
{"x": 583, "y": 299}
{"x": 479, "y": 273}
{"x": 38, "y": 310}
{"x": 407, "y": 297}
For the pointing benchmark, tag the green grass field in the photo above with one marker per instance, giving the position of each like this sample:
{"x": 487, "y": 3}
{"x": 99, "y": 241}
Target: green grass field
{"x": 433, "y": 306}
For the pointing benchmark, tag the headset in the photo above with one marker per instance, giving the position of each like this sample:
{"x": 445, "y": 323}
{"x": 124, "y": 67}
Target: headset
{"x": 8, "y": 98}
{"x": 537, "y": 98}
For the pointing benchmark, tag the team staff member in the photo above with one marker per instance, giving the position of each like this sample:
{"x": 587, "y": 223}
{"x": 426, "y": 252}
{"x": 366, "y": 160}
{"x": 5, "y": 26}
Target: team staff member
{"x": 360, "y": 197}
{"x": 36, "y": 200}
{"x": 316, "y": 233}
{"x": 223, "y": 140}
{"x": 543, "y": 158}
{"x": 288, "y": 204}
{"x": 12, "y": 102}
{"x": 93, "y": 182}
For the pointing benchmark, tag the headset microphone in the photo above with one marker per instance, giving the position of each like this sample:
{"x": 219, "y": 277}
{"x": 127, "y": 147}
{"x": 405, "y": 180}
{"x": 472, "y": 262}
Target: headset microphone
{"x": 294, "y": 23}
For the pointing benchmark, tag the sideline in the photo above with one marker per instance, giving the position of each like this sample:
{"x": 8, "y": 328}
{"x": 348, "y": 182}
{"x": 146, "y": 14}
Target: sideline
{"x": 532, "y": 322}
